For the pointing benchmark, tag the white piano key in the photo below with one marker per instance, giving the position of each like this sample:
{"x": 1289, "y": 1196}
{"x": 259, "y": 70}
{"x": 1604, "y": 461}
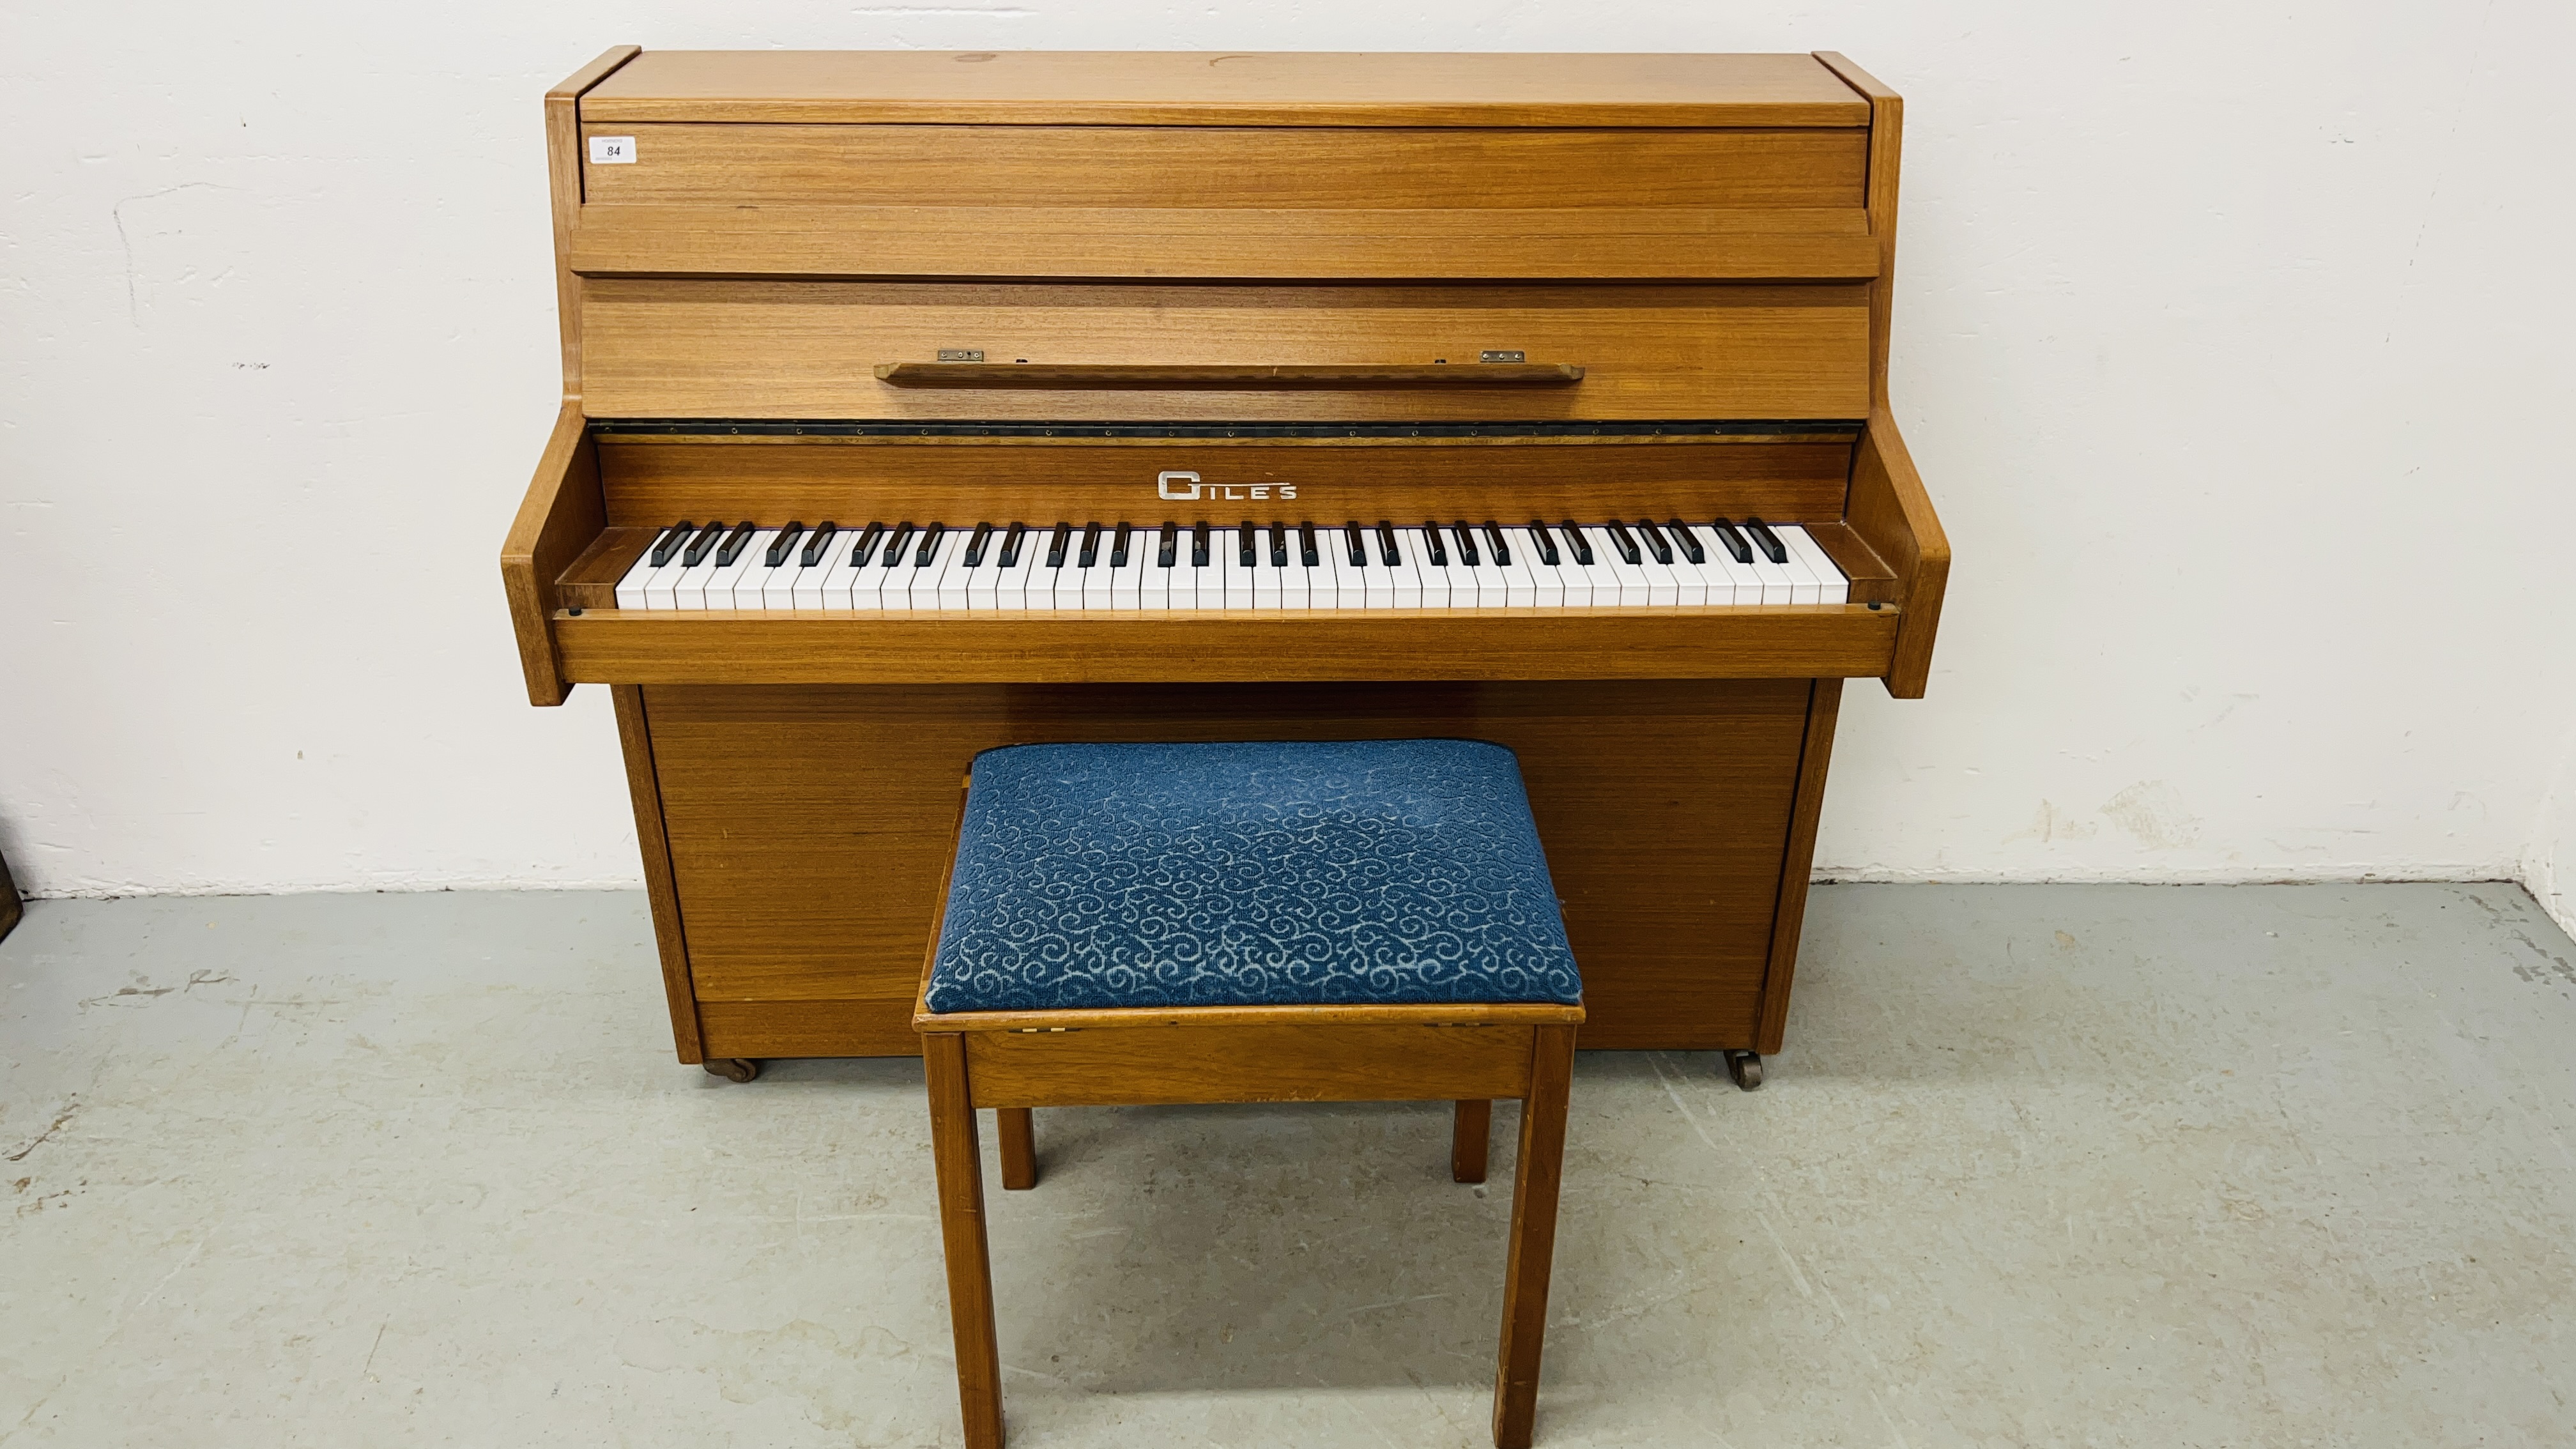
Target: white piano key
{"x": 1670, "y": 581}
{"x": 955, "y": 578}
{"x": 1011, "y": 581}
{"x": 1097, "y": 581}
{"x": 841, "y": 576}
{"x": 809, "y": 577}
{"x": 904, "y": 588}
{"x": 1126, "y": 581}
{"x": 1702, "y": 581}
{"x": 778, "y": 588}
{"x": 1777, "y": 587}
{"x": 1614, "y": 579}
{"x": 1488, "y": 575}
{"x": 1153, "y": 581}
{"x": 745, "y": 594}
{"x": 1269, "y": 580}
{"x": 1407, "y": 568}
{"x": 1439, "y": 587}
{"x": 689, "y": 592}
{"x": 1804, "y": 586}
{"x": 631, "y": 584}
{"x": 1520, "y": 587}
{"x": 1238, "y": 577}
{"x": 1583, "y": 581}
{"x": 1832, "y": 587}
{"x": 1744, "y": 586}
{"x": 1296, "y": 590}
{"x": 1663, "y": 589}
{"x": 983, "y": 582}
{"x": 1547, "y": 580}
{"x": 717, "y": 592}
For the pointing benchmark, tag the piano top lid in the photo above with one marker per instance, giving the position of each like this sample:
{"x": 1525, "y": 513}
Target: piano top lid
{"x": 1216, "y": 88}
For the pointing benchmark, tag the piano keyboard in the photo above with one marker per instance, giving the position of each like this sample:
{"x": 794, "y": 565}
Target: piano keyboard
{"x": 741, "y": 566}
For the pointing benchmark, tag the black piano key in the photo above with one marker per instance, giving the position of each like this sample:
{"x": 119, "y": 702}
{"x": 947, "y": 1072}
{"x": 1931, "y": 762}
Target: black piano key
{"x": 1437, "y": 551}
{"x": 1734, "y": 541}
{"x": 1466, "y": 543}
{"x": 1358, "y": 547}
{"x": 1279, "y": 545}
{"x": 1243, "y": 544}
{"x": 1386, "y": 549}
{"x": 700, "y": 546}
{"x": 1620, "y": 540}
{"x": 1655, "y": 540}
{"x": 1772, "y": 547}
{"x": 1688, "y": 540}
{"x": 1011, "y": 541}
{"x": 929, "y": 545}
{"x": 896, "y": 542}
{"x": 975, "y": 542}
{"x": 1502, "y": 550}
{"x": 1580, "y": 546}
{"x": 1199, "y": 545}
{"x": 1056, "y": 545}
{"x": 785, "y": 543}
{"x": 1089, "y": 554}
{"x": 734, "y": 541}
{"x": 670, "y": 541}
{"x": 865, "y": 549}
{"x": 1306, "y": 547}
{"x": 821, "y": 541}
{"x": 1118, "y": 546}
{"x": 1170, "y": 551}
{"x": 1547, "y": 553}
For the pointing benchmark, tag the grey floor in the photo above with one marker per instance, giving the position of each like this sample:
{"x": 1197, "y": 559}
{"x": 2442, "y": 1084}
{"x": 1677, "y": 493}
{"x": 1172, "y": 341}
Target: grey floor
{"x": 2042, "y": 1165}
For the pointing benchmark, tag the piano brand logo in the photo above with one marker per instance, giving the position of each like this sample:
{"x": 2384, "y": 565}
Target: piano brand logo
{"x": 1187, "y": 485}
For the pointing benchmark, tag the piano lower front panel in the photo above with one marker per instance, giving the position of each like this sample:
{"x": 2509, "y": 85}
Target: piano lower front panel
{"x": 807, "y": 828}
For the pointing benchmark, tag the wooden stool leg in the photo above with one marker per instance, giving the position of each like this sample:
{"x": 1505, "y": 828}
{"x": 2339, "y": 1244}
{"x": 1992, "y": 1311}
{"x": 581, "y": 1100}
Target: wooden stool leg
{"x": 1467, "y": 1139}
{"x": 1019, "y": 1148}
{"x": 961, "y": 1231}
{"x": 1542, "y": 1164}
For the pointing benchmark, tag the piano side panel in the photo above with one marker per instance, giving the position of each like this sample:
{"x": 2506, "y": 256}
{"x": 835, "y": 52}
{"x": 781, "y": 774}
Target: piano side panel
{"x": 693, "y": 348}
{"x": 806, "y": 828}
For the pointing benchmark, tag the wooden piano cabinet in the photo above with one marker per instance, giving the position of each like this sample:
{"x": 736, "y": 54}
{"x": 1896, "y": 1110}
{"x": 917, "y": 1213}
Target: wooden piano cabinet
{"x": 793, "y": 835}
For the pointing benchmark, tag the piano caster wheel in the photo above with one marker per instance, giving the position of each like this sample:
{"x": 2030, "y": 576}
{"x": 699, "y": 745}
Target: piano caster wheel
{"x": 1744, "y": 1067}
{"x": 733, "y": 1069}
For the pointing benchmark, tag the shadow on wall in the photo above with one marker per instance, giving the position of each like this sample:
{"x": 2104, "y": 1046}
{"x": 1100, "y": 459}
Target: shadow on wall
{"x": 10, "y": 909}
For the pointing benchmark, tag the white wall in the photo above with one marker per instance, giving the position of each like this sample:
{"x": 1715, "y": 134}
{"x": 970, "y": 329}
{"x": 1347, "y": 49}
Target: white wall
{"x": 2231, "y": 341}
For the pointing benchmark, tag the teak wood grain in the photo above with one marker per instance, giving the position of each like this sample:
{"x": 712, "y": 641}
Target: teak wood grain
{"x": 1236, "y": 377}
{"x": 670, "y": 933}
{"x": 1629, "y": 244}
{"x": 677, "y": 348}
{"x": 808, "y": 829}
{"x": 656, "y": 480}
{"x": 564, "y": 182}
{"x": 1787, "y": 641}
{"x": 1339, "y": 1062}
{"x": 561, "y": 515}
{"x": 1273, "y": 168}
{"x": 1891, "y": 511}
{"x": 1183, "y": 88}
{"x": 1708, "y": 237}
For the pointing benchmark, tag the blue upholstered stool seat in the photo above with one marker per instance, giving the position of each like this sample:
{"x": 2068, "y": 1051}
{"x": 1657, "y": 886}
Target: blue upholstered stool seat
{"x": 1380, "y": 872}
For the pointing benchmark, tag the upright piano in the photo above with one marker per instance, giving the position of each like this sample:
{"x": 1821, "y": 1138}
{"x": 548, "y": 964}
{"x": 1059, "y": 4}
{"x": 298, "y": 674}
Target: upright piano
{"x": 920, "y": 403}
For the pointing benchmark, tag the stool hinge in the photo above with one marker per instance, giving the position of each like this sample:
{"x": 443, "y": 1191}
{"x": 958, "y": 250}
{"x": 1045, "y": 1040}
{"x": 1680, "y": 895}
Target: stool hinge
{"x": 1041, "y": 1030}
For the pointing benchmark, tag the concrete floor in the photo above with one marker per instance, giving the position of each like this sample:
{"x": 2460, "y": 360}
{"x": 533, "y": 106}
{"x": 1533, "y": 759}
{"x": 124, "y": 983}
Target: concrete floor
{"x": 2042, "y": 1165}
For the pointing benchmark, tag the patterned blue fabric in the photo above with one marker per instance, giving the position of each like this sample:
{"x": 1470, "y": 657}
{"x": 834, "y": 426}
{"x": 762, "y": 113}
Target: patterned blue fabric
{"x": 1249, "y": 875}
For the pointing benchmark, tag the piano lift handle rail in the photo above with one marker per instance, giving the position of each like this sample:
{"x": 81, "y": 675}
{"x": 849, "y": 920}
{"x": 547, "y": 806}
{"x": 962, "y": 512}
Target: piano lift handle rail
{"x": 1232, "y": 377}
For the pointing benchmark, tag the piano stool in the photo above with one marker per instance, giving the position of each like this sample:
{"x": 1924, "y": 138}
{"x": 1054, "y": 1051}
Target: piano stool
{"x": 1268, "y": 922}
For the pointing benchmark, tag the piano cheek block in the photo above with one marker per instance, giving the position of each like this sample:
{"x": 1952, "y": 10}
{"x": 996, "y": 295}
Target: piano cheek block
{"x": 745, "y": 376}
